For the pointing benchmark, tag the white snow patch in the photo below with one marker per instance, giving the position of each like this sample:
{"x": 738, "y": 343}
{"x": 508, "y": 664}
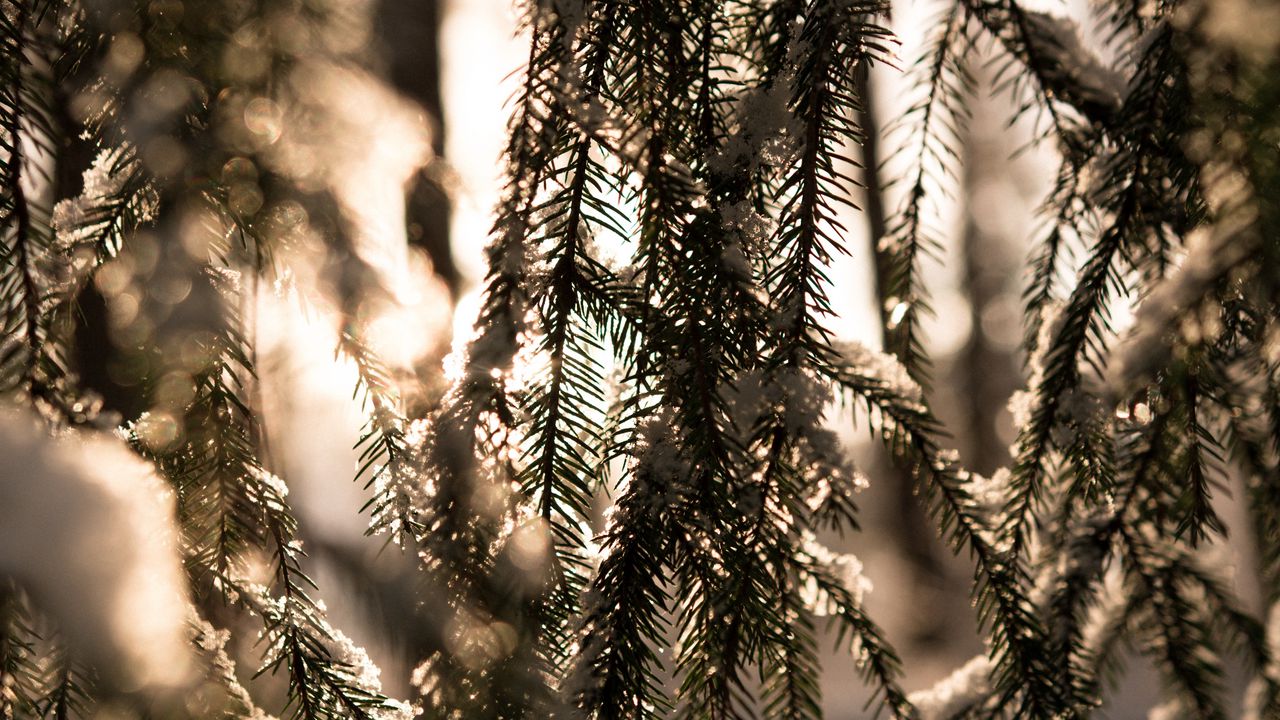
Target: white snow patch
{"x": 959, "y": 690}
{"x": 86, "y": 527}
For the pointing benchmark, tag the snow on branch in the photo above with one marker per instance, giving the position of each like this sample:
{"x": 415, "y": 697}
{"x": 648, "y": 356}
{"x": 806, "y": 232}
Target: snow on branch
{"x": 960, "y": 691}
{"x": 85, "y": 526}
{"x": 1071, "y": 70}
{"x": 1167, "y": 310}
{"x": 845, "y": 568}
{"x": 1051, "y": 48}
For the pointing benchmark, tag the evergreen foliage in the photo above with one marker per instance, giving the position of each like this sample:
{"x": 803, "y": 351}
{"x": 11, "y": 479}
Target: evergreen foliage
{"x": 686, "y": 387}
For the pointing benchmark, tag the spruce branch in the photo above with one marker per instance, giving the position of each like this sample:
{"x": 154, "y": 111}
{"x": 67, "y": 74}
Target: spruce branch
{"x": 461, "y": 540}
{"x": 1062, "y": 70}
{"x": 711, "y": 140}
{"x": 386, "y": 456}
{"x": 933, "y": 126}
{"x": 615, "y": 672}
{"x": 24, "y": 231}
{"x": 1020, "y": 650}
{"x": 68, "y": 689}
{"x": 836, "y": 42}
{"x": 1177, "y": 631}
{"x": 20, "y": 676}
{"x": 576, "y": 298}
{"x": 875, "y": 659}
{"x": 1078, "y": 329}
